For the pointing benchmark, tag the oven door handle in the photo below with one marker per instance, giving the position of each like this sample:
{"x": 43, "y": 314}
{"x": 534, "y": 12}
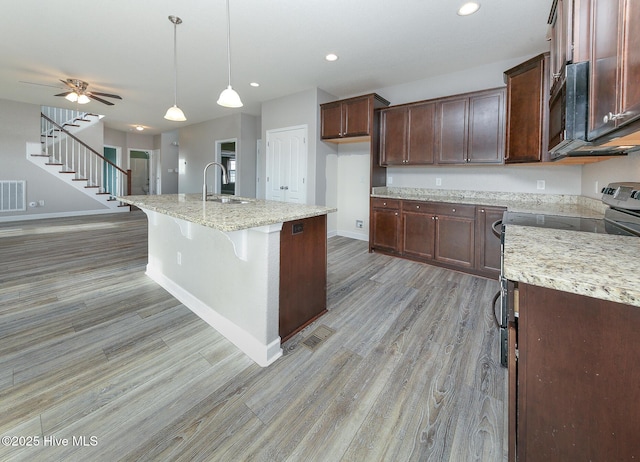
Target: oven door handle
{"x": 496, "y": 227}
{"x": 496, "y": 297}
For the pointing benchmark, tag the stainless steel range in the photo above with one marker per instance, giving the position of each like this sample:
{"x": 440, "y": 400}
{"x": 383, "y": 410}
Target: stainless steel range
{"x": 622, "y": 217}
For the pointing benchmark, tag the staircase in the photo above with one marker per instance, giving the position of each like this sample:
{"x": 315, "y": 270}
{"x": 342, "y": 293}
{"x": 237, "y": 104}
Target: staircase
{"x": 63, "y": 154}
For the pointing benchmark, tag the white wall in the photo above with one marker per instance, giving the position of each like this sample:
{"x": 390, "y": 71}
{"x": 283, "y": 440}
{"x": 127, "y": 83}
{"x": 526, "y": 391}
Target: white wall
{"x": 353, "y": 190}
{"x": 596, "y": 176}
{"x": 168, "y": 162}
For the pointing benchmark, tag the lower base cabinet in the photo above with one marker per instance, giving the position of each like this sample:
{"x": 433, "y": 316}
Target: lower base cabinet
{"x": 577, "y": 393}
{"x": 444, "y": 234}
{"x": 303, "y": 273}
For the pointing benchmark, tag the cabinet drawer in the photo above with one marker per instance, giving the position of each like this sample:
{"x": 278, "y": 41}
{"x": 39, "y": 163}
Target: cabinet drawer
{"x": 419, "y": 207}
{"x": 381, "y": 203}
{"x": 457, "y": 210}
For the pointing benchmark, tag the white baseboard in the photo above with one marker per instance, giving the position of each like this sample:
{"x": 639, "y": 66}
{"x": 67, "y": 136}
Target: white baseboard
{"x": 43, "y": 216}
{"x": 352, "y": 235}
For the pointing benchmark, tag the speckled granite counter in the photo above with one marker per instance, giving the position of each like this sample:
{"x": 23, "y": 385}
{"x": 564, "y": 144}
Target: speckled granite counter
{"x": 225, "y": 217}
{"x": 549, "y": 204}
{"x": 574, "y": 261}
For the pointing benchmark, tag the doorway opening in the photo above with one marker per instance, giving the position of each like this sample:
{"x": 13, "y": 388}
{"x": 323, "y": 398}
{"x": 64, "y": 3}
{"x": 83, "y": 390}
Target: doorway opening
{"x": 139, "y": 164}
{"x": 110, "y": 178}
{"x": 226, "y": 153}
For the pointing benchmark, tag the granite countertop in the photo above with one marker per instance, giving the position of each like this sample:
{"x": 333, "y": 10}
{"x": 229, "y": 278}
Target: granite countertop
{"x": 574, "y": 261}
{"x": 548, "y": 204}
{"x": 225, "y": 217}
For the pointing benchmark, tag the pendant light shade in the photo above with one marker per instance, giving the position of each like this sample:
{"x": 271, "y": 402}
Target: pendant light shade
{"x": 175, "y": 113}
{"x": 229, "y": 97}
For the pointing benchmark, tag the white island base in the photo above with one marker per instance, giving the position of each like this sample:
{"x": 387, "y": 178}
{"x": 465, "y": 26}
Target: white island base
{"x": 230, "y": 279}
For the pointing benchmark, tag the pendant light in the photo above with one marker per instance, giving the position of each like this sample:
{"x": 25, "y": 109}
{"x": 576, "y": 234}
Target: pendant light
{"x": 174, "y": 112}
{"x": 229, "y": 97}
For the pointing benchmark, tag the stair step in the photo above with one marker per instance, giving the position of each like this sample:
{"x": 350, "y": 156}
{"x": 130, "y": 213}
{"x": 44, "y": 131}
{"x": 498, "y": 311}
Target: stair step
{"x": 48, "y": 136}
{"x": 40, "y": 155}
{"x": 81, "y": 120}
{"x": 70, "y": 125}
{"x": 79, "y": 179}
{"x": 91, "y": 186}
{"x": 103, "y": 193}
{"x": 53, "y": 163}
{"x": 67, "y": 171}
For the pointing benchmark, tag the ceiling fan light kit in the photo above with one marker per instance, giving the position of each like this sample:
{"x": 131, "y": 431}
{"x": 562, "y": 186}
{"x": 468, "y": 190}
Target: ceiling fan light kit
{"x": 229, "y": 97}
{"x": 174, "y": 113}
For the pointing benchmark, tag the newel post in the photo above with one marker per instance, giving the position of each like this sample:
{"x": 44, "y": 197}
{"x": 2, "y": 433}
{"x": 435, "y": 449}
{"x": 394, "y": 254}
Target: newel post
{"x": 128, "y": 182}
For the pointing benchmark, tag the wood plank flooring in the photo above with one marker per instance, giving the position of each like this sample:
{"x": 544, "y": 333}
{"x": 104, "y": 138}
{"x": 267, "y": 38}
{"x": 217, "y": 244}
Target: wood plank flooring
{"x": 90, "y": 347}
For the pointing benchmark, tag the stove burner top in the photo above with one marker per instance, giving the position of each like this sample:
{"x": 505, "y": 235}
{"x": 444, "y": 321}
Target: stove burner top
{"x": 589, "y": 225}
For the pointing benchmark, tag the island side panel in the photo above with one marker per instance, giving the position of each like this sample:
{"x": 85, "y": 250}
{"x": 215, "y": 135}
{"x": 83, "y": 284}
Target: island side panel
{"x": 303, "y": 273}
{"x": 229, "y": 279}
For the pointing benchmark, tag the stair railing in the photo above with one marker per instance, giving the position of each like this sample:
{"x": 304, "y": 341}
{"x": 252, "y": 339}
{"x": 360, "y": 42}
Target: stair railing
{"x": 77, "y": 157}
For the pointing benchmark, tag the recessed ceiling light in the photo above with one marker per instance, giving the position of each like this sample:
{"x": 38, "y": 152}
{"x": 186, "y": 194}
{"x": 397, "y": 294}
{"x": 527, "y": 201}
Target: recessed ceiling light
{"x": 331, "y": 57}
{"x": 254, "y": 84}
{"x": 139, "y": 128}
{"x": 468, "y": 8}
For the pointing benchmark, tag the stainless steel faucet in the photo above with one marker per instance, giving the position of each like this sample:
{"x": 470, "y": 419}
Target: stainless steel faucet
{"x": 225, "y": 180}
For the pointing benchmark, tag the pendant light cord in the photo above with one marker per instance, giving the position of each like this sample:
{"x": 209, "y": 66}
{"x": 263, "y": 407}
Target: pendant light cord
{"x": 175, "y": 63}
{"x": 229, "y": 42}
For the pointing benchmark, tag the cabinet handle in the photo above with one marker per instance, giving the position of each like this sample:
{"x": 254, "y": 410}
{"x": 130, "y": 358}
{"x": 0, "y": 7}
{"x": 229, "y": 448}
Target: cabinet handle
{"x": 384, "y": 203}
{"x": 417, "y": 206}
{"x": 611, "y": 117}
{"x": 481, "y": 210}
{"x": 453, "y": 210}
{"x": 396, "y": 214}
{"x": 435, "y": 218}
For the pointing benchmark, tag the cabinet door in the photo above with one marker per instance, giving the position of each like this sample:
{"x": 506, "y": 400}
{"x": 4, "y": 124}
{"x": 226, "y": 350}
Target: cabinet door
{"x": 385, "y": 232}
{"x": 356, "y": 117}
{"x": 418, "y": 232}
{"x": 393, "y": 140}
{"x": 331, "y": 120}
{"x": 486, "y": 128}
{"x": 421, "y": 134}
{"x": 526, "y": 100}
{"x": 630, "y": 72}
{"x": 451, "y": 144}
{"x": 454, "y": 242}
{"x": 604, "y": 66}
{"x": 487, "y": 243}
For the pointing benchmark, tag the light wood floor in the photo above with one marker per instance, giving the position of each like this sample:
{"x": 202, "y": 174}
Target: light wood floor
{"x": 90, "y": 347}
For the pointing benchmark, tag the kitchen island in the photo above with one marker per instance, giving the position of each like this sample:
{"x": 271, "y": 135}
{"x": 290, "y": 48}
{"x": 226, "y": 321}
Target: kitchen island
{"x": 221, "y": 258}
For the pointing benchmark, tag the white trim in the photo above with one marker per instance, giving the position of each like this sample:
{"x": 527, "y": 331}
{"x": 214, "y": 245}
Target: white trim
{"x": 262, "y": 354}
{"x": 352, "y": 235}
{"x": 44, "y": 216}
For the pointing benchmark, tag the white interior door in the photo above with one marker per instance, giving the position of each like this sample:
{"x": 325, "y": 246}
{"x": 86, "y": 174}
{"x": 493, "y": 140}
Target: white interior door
{"x": 287, "y": 165}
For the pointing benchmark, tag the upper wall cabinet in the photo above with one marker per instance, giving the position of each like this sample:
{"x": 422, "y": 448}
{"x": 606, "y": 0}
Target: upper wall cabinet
{"x": 349, "y": 120}
{"x": 407, "y": 134}
{"x": 527, "y": 99}
{"x": 614, "y": 97}
{"x": 470, "y": 128}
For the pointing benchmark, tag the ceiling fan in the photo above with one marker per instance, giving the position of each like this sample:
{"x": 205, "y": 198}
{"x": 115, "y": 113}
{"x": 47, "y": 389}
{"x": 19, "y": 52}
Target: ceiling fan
{"x": 78, "y": 93}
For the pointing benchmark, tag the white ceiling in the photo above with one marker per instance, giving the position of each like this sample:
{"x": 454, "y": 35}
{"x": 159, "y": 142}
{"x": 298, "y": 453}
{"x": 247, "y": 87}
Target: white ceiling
{"x": 126, "y": 47}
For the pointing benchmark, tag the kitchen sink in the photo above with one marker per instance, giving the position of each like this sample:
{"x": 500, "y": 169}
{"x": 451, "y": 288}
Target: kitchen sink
{"x": 227, "y": 200}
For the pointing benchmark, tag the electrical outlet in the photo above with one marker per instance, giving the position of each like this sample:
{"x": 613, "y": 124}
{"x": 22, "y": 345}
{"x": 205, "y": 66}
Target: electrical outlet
{"x": 179, "y": 258}
{"x": 540, "y": 184}
{"x": 41, "y": 203}
{"x": 438, "y": 181}
{"x": 597, "y": 189}
{"x": 389, "y": 180}
{"x": 359, "y": 223}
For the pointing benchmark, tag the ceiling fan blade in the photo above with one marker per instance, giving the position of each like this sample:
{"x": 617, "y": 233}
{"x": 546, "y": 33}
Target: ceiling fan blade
{"x": 103, "y": 101}
{"x": 64, "y": 94}
{"x": 40, "y": 84}
{"x": 108, "y": 95}
{"x": 68, "y": 84}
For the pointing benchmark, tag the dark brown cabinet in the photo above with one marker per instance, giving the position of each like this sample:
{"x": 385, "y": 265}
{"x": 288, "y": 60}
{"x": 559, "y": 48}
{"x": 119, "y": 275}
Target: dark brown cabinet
{"x": 454, "y": 235}
{"x": 487, "y": 243}
{"x": 418, "y": 230}
{"x": 576, "y": 378}
{"x": 470, "y": 128}
{"x": 303, "y": 273}
{"x": 407, "y": 134}
{"x": 385, "y": 225}
{"x": 614, "y": 96}
{"x": 527, "y": 100}
{"x": 349, "y": 119}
